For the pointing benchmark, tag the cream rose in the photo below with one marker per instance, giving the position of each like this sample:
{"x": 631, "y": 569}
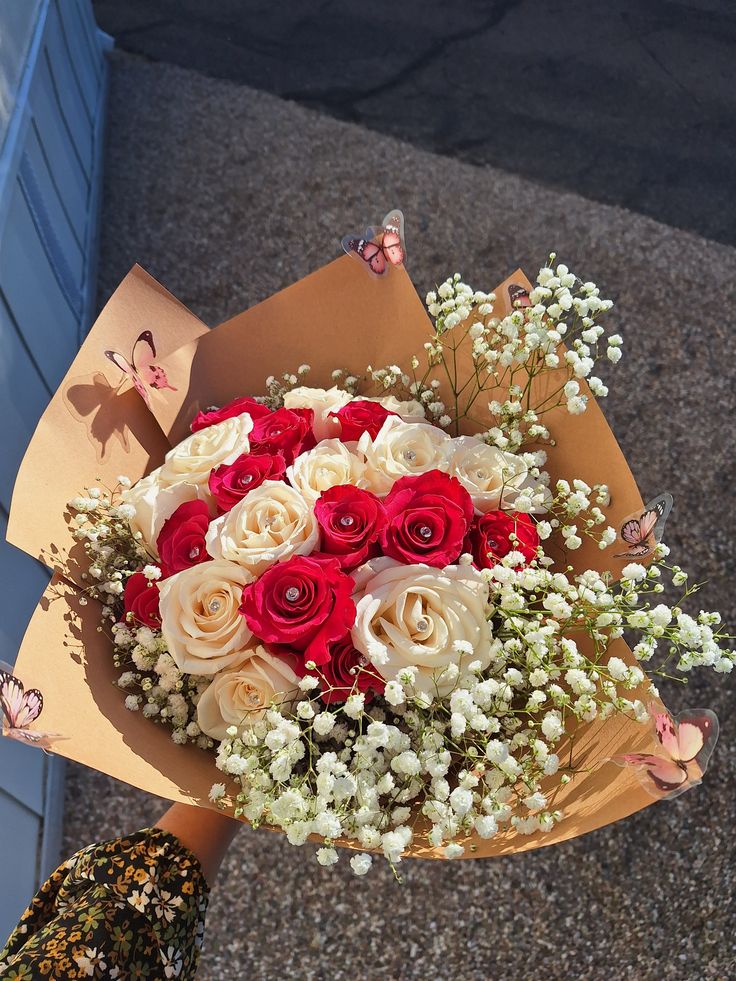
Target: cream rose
{"x": 322, "y": 402}
{"x": 414, "y": 615}
{"x": 155, "y": 503}
{"x": 401, "y": 449}
{"x": 192, "y": 460}
{"x": 492, "y": 477}
{"x": 268, "y": 525}
{"x": 200, "y": 616}
{"x": 327, "y": 465}
{"x": 410, "y": 410}
{"x": 239, "y": 695}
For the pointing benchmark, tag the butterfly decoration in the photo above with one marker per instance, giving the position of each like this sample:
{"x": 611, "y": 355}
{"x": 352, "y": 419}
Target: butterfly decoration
{"x": 642, "y": 530}
{"x": 519, "y": 296}
{"x": 686, "y": 742}
{"x": 378, "y": 249}
{"x": 140, "y": 369}
{"x": 20, "y": 708}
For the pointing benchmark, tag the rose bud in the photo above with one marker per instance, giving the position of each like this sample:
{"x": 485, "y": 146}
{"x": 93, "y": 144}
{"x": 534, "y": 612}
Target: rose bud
{"x": 140, "y": 600}
{"x": 181, "y": 541}
{"x": 347, "y": 672}
{"x": 360, "y": 416}
{"x": 235, "y": 408}
{"x": 230, "y": 482}
{"x": 303, "y": 604}
{"x": 489, "y": 538}
{"x": 285, "y": 431}
{"x": 350, "y": 521}
{"x": 428, "y": 519}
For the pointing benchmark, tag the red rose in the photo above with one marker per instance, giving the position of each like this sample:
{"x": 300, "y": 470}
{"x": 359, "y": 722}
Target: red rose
{"x": 349, "y": 671}
{"x": 428, "y": 519}
{"x": 180, "y": 542}
{"x": 361, "y": 416}
{"x": 285, "y": 431}
{"x": 141, "y": 601}
{"x": 489, "y": 538}
{"x": 235, "y": 408}
{"x": 303, "y": 604}
{"x": 230, "y": 482}
{"x": 350, "y": 520}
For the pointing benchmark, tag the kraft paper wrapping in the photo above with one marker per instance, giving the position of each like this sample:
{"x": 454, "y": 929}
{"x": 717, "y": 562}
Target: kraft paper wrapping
{"x": 96, "y": 428}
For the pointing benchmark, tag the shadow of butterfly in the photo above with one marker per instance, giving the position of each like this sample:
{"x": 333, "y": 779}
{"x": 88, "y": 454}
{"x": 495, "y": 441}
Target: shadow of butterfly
{"x": 380, "y": 248}
{"x": 642, "y": 530}
{"x": 686, "y": 742}
{"x": 140, "y": 369}
{"x": 20, "y": 708}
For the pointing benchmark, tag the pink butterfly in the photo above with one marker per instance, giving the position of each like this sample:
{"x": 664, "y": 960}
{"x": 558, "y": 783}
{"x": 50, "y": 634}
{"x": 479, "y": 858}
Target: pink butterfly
{"x": 641, "y": 531}
{"x": 140, "y": 369}
{"x": 20, "y": 709}
{"x": 687, "y": 744}
{"x": 379, "y": 248}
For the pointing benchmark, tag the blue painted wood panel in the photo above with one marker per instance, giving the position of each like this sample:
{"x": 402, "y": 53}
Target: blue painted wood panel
{"x": 19, "y": 858}
{"x": 84, "y": 61}
{"x": 33, "y": 294}
{"x": 23, "y": 397}
{"x": 73, "y": 108}
{"x": 50, "y": 178}
{"x": 23, "y": 581}
{"x": 71, "y": 247}
{"x": 57, "y": 142}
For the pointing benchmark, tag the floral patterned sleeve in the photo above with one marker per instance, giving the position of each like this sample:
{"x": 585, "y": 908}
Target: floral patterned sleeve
{"x": 128, "y": 908}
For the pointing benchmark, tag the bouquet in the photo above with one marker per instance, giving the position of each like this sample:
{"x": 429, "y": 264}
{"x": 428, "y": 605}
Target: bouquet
{"x": 359, "y": 575}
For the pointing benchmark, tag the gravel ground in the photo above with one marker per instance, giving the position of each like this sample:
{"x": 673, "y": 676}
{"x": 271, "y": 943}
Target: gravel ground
{"x": 226, "y": 194}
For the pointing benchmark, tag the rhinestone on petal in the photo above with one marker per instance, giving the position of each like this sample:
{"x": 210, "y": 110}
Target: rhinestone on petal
{"x": 194, "y": 553}
{"x": 422, "y": 624}
{"x": 292, "y": 594}
{"x": 410, "y": 456}
{"x": 214, "y": 606}
{"x": 245, "y": 479}
{"x": 347, "y": 521}
{"x": 425, "y": 532}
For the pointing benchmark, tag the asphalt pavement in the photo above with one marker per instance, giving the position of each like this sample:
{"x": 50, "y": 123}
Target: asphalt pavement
{"x": 627, "y": 102}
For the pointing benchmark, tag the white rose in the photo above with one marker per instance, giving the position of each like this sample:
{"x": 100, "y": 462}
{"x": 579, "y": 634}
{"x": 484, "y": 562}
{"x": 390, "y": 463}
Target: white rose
{"x": 414, "y": 616}
{"x": 200, "y": 616}
{"x": 410, "y": 411}
{"x": 268, "y": 525}
{"x": 153, "y": 504}
{"x": 329, "y": 464}
{"x": 491, "y": 476}
{"x": 241, "y": 693}
{"x": 192, "y": 460}
{"x": 322, "y": 402}
{"x": 401, "y": 449}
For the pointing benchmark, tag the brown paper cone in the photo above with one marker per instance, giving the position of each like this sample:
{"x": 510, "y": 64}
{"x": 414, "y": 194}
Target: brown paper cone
{"x": 96, "y": 428}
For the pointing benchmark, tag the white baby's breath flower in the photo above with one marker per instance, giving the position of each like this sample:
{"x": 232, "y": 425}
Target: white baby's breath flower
{"x": 361, "y": 864}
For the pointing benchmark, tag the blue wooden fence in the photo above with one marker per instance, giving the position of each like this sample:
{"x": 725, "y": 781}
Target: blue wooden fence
{"x": 53, "y": 86}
